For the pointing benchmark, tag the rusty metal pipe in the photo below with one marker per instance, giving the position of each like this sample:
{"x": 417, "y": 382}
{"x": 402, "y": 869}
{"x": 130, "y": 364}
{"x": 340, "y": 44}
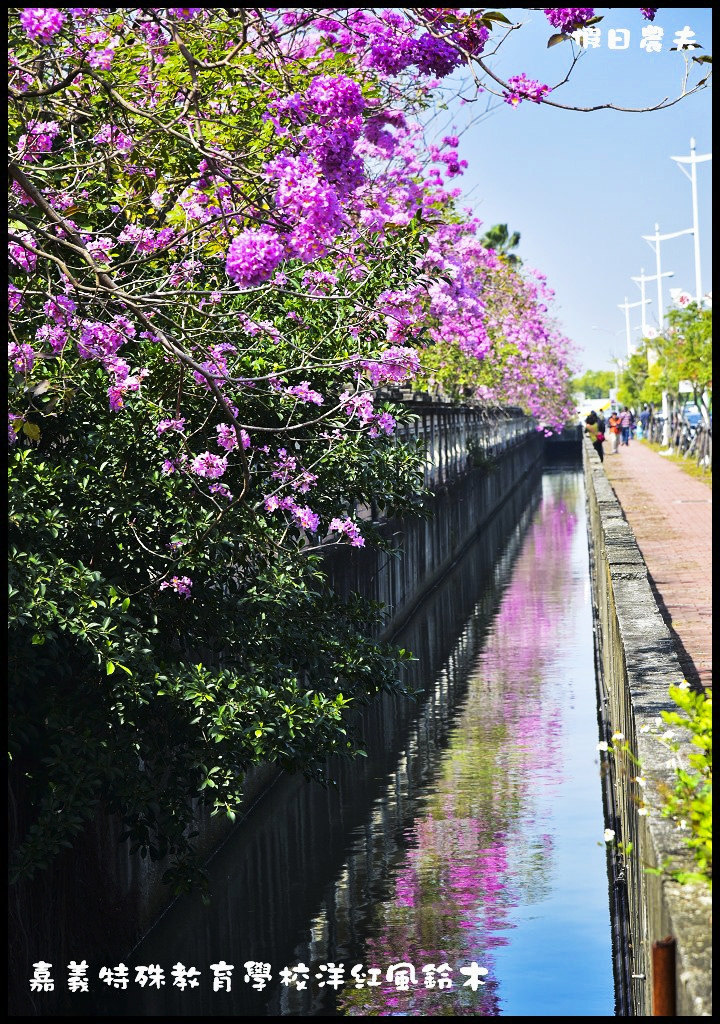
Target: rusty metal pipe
{"x": 663, "y": 965}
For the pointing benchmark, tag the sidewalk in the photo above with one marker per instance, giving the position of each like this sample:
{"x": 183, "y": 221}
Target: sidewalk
{"x": 670, "y": 514}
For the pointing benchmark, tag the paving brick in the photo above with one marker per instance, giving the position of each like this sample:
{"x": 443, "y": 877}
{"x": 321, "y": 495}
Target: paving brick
{"x": 670, "y": 514}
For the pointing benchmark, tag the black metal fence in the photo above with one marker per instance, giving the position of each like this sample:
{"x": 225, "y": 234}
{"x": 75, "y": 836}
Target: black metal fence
{"x": 684, "y": 438}
{"x": 459, "y": 437}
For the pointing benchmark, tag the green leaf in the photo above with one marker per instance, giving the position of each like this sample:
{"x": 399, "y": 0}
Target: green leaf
{"x": 110, "y": 668}
{"x": 496, "y": 16}
{"x": 558, "y": 37}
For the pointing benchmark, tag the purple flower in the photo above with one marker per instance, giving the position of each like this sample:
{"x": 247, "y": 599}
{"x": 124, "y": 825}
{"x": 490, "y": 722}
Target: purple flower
{"x": 273, "y": 503}
{"x": 221, "y": 490}
{"x": 435, "y": 56}
{"x": 15, "y": 299}
{"x": 42, "y": 23}
{"x": 253, "y": 256}
{"x": 350, "y": 529}
{"x": 38, "y": 139}
{"x": 22, "y": 256}
{"x": 227, "y": 436}
{"x": 524, "y": 88}
{"x": 109, "y": 135}
{"x": 306, "y": 518}
{"x": 59, "y": 308}
{"x": 385, "y": 422}
{"x": 305, "y": 393}
{"x": 395, "y": 365}
{"x": 649, "y": 12}
{"x": 208, "y": 465}
{"x": 21, "y": 356}
{"x": 98, "y": 341}
{"x": 180, "y": 584}
{"x": 56, "y": 336}
{"x": 176, "y": 424}
{"x": 338, "y": 97}
{"x": 568, "y": 19}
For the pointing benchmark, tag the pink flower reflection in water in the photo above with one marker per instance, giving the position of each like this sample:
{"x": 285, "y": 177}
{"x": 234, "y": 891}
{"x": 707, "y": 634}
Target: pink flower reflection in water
{"x": 477, "y": 850}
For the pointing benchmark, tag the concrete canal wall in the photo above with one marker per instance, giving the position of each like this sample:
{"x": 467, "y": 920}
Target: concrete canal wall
{"x": 637, "y": 664}
{"x": 476, "y": 458}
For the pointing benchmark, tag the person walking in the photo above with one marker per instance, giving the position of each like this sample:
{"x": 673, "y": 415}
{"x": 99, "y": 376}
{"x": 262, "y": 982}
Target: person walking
{"x": 626, "y": 422}
{"x": 592, "y": 429}
{"x": 614, "y": 430}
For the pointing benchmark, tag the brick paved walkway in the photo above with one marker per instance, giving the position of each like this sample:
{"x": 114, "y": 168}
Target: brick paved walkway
{"x": 670, "y": 514}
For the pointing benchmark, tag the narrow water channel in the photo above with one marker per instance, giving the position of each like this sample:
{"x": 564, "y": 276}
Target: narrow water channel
{"x": 459, "y": 869}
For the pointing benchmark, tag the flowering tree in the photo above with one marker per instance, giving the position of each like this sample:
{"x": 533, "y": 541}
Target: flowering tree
{"x": 227, "y": 232}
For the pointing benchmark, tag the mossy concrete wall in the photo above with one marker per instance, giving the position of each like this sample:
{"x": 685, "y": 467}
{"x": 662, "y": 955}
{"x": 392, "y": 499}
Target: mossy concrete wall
{"x": 638, "y": 663}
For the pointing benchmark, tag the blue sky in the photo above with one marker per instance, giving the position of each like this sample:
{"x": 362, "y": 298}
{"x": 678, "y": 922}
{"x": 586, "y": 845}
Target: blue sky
{"x": 583, "y": 188}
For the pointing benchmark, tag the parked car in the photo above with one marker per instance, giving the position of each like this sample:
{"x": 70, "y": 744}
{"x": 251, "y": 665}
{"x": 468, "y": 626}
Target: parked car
{"x": 692, "y": 415}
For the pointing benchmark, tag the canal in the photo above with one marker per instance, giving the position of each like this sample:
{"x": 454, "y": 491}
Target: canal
{"x": 457, "y": 870}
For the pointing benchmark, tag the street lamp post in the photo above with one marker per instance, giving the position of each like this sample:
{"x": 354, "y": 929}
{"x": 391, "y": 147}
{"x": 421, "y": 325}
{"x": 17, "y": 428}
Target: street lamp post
{"x": 655, "y": 241}
{"x": 641, "y": 281}
{"x": 627, "y": 306}
{"x": 693, "y": 160}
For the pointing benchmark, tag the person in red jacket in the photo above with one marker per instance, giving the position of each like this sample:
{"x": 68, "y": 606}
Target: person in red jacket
{"x": 614, "y": 430}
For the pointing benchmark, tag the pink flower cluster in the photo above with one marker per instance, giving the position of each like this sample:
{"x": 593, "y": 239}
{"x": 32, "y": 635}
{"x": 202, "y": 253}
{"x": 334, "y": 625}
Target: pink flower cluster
{"x": 15, "y": 299}
{"x": 180, "y": 584}
{"x": 20, "y": 255}
{"x": 37, "y": 140}
{"x": 21, "y": 356}
{"x": 310, "y": 204}
{"x": 568, "y": 19}
{"x": 221, "y": 491}
{"x": 305, "y": 393}
{"x": 395, "y": 365}
{"x": 524, "y": 88}
{"x": 304, "y": 516}
{"x": 253, "y": 255}
{"x": 100, "y": 341}
{"x": 227, "y": 437}
{"x": 123, "y": 382}
{"x": 42, "y": 23}
{"x": 208, "y": 465}
{"x": 108, "y": 135}
{"x": 286, "y": 471}
{"x": 349, "y": 529}
{"x": 177, "y": 425}
{"x": 334, "y": 97}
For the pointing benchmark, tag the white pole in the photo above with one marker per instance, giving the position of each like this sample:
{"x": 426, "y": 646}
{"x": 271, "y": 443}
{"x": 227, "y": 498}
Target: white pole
{"x": 627, "y": 306}
{"x": 655, "y": 241}
{"x": 661, "y": 311}
{"x": 696, "y": 232}
{"x": 641, "y": 279}
{"x": 694, "y": 160}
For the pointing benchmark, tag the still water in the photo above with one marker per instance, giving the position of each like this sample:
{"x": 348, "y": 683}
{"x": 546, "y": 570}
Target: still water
{"x": 459, "y": 869}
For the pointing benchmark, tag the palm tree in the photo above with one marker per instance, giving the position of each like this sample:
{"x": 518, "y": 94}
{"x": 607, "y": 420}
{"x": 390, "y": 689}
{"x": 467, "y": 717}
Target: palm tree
{"x": 501, "y": 241}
